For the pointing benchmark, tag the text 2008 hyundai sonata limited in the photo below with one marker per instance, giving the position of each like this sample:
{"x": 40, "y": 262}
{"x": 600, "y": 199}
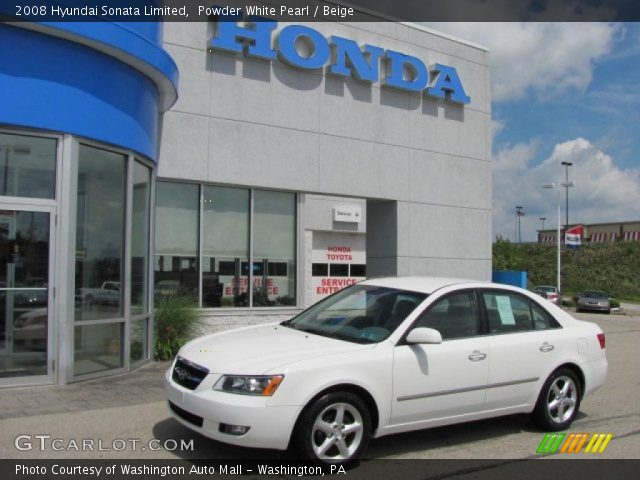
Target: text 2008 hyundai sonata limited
{"x": 387, "y": 356}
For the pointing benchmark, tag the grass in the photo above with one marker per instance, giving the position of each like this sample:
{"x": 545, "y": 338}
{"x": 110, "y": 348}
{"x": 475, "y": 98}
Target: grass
{"x": 611, "y": 267}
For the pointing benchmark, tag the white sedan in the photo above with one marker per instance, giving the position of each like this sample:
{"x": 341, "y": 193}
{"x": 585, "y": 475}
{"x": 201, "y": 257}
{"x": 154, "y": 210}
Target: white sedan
{"x": 386, "y": 356}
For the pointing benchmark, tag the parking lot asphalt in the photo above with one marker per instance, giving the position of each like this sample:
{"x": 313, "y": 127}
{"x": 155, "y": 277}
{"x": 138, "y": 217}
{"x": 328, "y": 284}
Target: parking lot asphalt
{"x": 131, "y": 407}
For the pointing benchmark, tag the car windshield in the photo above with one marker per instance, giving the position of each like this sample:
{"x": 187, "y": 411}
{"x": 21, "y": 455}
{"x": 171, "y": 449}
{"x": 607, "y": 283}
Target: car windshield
{"x": 596, "y": 295}
{"x": 360, "y": 313}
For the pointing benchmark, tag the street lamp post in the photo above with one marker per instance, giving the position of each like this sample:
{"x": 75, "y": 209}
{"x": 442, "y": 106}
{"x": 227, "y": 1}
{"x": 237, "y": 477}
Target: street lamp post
{"x": 519, "y": 214}
{"x": 566, "y": 192}
{"x": 558, "y": 265}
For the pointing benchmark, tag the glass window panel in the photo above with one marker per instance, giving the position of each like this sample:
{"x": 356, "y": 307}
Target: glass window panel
{"x": 176, "y": 239}
{"x": 542, "y": 320}
{"x": 274, "y": 239}
{"x": 319, "y": 270}
{"x": 138, "y": 340}
{"x": 507, "y": 312}
{"x": 140, "y": 238}
{"x": 358, "y": 270}
{"x": 339, "y": 270}
{"x": 455, "y": 316}
{"x": 99, "y": 233}
{"x": 98, "y": 348}
{"x": 225, "y": 247}
{"x": 27, "y": 166}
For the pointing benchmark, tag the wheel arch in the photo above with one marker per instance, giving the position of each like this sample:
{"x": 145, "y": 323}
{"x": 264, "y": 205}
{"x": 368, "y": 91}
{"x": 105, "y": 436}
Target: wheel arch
{"x": 578, "y": 372}
{"x": 358, "y": 390}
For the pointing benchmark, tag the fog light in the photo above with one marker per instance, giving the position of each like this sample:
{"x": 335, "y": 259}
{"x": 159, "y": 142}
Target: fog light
{"x": 233, "y": 429}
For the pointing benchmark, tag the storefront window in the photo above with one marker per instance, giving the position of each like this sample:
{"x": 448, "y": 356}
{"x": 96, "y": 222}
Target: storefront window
{"x": 98, "y": 348}
{"x": 225, "y": 249}
{"x": 99, "y": 234}
{"x": 27, "y": 166}
{"x": 138, "y": 335}
{"x": 176, "y": 238}
{"x": 226, "y": 238}
{"x": 140, "y": 238}
{"x": 274, "y": 240}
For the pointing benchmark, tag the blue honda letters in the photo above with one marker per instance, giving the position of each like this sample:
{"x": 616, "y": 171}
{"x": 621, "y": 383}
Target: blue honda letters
{"x": 346, "y": 57}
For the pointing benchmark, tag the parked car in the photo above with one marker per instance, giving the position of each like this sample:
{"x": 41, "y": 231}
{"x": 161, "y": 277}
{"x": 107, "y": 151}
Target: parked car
{"x": 593, "y": 300}
{"x": 385, "y": 356}
{"x": 550, "y": 293}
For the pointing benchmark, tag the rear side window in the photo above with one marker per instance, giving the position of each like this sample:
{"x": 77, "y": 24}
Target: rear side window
{"x": 542, "y": 320}
{"x": 509, "y": 312}
{"x": 455, "y": 316}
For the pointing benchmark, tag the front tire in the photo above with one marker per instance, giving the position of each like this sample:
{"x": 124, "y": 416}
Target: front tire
{"x": 558, "y": 402}
{"x": 334, "y": 429}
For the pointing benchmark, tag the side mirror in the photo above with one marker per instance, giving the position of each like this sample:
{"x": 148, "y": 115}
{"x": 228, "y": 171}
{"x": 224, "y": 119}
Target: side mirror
{"x": 424, "y": 335}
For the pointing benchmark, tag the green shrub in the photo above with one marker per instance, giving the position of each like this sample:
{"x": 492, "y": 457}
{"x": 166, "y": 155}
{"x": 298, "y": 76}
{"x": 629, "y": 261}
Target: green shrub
{"x": 615, "y": 303}
{"x": 176, "y": 322}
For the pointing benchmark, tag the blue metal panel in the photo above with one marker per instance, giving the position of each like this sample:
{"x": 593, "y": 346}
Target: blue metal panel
{"x": 510, "y": 277}
{"x": 60, "y": 85}
{"x": 142, "y": 40}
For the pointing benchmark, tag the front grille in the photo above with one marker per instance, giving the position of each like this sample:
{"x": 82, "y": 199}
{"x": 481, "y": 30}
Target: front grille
{"x": 188, "y": 374}
{"x": 187, "y": 416}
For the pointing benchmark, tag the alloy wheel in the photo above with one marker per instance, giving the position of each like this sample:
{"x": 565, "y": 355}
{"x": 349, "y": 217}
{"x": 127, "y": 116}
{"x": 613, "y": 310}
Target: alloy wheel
{"x": 337, "y": 432}
{"x": 562, "y": 399}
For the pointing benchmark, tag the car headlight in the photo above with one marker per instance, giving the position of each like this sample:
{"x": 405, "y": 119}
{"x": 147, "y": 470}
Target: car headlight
{"x": 264, "y": 385}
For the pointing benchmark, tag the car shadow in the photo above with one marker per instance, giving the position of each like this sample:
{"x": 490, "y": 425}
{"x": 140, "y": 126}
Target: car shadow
{"x": 452, "y": 435}
{"x": 401, "y": 443}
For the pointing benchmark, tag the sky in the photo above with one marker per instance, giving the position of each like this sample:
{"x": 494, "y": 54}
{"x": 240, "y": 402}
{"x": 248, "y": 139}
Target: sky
{"x": 562, "y": 92}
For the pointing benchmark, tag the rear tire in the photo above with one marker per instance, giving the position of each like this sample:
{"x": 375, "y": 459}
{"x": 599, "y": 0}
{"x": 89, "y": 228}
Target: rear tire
{"x": 558, "y": 402}
{"x": 334, "y": 429}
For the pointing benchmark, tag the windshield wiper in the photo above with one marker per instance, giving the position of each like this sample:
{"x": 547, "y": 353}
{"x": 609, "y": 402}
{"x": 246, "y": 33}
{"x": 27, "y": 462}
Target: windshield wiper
{"x": 334, "y": 335}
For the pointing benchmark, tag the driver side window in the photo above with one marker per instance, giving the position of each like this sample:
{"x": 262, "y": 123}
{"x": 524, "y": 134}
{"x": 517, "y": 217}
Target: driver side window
{"x": 454, "y": 316}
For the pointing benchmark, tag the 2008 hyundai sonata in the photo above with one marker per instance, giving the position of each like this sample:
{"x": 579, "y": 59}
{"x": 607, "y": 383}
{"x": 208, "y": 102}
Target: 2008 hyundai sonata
{"x": 387, "y": 356}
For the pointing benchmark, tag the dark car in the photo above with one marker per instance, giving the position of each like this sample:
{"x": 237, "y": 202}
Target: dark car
{"x": 593, "y": 300}
{"x": 549, "y": 292}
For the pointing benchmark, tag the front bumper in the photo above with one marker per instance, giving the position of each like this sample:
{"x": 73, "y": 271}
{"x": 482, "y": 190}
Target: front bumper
{"x": 595, "y": 308}
{"x": 204, "y": 409}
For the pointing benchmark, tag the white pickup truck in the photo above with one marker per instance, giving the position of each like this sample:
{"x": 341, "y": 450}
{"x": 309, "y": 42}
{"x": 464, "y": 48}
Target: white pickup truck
{"x": 108, "y": 293}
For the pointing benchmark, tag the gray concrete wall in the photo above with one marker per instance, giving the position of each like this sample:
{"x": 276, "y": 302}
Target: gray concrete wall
{"x": 244, "y": 121}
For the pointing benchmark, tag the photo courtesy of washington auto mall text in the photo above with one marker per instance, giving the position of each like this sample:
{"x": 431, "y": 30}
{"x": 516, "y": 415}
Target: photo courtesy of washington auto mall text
{"x": 363, "y": 239}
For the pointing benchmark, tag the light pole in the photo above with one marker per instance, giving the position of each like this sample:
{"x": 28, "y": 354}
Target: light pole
{"x": 558, "y": 186}
{"x": 519, "y": 214}
{"x": 566, "y": 192}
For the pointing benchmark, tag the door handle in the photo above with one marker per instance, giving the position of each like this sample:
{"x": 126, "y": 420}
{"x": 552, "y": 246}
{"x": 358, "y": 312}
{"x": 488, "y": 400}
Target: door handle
{"x": 546, "y": 347}
{"x": 477, "y": 355}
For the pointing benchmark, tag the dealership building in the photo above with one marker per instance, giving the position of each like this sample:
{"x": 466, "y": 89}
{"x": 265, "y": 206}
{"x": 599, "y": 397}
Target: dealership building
{"x": 258, "y": 167}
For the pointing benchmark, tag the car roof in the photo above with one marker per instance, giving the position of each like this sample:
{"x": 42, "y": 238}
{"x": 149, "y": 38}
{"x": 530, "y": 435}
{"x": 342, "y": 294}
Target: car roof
{"x": 423, "y": 284}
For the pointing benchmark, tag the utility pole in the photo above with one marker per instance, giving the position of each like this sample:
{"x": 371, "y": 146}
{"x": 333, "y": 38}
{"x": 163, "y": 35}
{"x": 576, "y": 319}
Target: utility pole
{"x": 566, "y": 192}
{"x": 542, "y": 219}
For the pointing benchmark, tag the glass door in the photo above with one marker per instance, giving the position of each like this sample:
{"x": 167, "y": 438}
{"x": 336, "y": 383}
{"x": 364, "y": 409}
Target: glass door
{"x": 25, "y": 313}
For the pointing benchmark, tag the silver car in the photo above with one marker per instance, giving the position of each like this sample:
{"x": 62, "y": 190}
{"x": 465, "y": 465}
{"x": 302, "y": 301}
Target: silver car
{"x": 593, "y": 300}
{"x": 550, "y": 293}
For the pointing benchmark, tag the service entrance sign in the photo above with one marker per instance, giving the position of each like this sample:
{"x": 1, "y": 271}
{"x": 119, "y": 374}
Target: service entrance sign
{"x": 338, "y": 260}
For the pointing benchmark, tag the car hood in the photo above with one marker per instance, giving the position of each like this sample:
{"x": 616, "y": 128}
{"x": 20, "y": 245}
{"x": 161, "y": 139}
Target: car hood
{"x": 259, "y": 349}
